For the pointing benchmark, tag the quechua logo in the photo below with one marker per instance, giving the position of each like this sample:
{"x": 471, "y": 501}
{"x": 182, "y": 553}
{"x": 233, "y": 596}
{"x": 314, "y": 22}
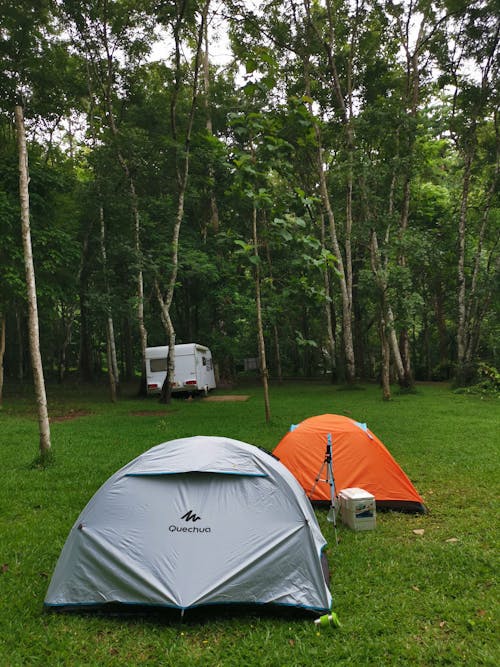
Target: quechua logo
{"x": 189, "y": 517}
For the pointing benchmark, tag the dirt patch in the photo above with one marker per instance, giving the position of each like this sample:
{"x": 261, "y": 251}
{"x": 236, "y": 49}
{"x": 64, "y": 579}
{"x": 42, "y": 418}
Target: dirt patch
{"x": 151, "y": 413}
{"x": 72, "y": 414}
{"x": 228, "y": 397}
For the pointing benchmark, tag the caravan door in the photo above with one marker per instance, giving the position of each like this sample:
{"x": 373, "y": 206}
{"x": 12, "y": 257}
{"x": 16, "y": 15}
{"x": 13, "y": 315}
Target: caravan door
{"x": 156, "y": 368}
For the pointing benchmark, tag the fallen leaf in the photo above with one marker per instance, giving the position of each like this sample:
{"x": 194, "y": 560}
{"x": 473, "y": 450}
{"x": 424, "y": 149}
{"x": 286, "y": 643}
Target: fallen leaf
{"x": 452, "y": 539}
{"x": 442, "y": 624}
{"x": 419, "y": 531}
{"x": 481, "y": 612}
{"x": 4, "y": 568}
{"x": 416, "y": 588}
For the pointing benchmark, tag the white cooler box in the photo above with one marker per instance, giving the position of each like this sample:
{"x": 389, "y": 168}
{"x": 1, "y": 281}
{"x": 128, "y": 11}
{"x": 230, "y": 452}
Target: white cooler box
{"x": 358, "y": 509}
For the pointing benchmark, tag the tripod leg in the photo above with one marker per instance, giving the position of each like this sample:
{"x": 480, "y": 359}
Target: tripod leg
{"x": 318, "y": 479}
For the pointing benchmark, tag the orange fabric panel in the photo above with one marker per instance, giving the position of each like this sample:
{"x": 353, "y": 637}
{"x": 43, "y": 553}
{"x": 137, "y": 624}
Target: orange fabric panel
{"x": 359, "y": 460}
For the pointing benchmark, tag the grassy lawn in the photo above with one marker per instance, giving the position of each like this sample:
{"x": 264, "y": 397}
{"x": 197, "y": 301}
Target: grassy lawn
{"x": 402, "y": 598}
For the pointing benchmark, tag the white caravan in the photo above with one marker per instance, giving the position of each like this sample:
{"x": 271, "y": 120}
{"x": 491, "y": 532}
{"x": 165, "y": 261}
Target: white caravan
{"x": 194, "y": 369}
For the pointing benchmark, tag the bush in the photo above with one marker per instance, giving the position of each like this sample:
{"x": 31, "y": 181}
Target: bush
{"x": 487, "y": 384}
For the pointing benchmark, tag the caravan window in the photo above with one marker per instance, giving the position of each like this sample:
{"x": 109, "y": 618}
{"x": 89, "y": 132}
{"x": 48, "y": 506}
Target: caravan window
{"x": 158, "y": 365}
{"x": 204, "y": 361}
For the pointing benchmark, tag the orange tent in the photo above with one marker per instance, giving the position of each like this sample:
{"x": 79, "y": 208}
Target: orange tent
{"x": 359, "y": 460}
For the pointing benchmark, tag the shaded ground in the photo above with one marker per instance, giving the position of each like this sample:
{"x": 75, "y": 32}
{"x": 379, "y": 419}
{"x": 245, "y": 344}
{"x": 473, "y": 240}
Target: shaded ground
{"x": 72, "y": 414}
{"x": 162, "y": 413}
{"x": 228, "y": 397}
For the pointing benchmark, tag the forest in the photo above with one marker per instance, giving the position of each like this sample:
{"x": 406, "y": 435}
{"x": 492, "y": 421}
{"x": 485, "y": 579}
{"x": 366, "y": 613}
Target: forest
{"x": 307, "y": 183}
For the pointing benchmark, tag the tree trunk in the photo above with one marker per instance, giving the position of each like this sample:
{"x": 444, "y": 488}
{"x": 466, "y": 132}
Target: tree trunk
{"x": 214, "y": 210}
{"x": 330, "y": 330}
{"x": 166, "y": 390}
{"x": 20, "y": 346}
{"x": 344, "y": 267}
{"x": 385, "y": 361}
{"x": 106, "y": 82}
{"x": 462, "y": 334}
{"x": 441, "y": 327}
{"x": 386, "y": 311}
{"x": 67, "y": 320}
{"x": 111, "y": 357}
{"x": 412, "y": 101}
{"x": 114, "y": 378}
{"x": 277, "y": 354}
{"x": 346, "y": 300}
{"x": 473, "y": 310}
{"x": 260, "y": 328}
{"x": 34, "y": 338}
{"x": 127, "y": 354}
{"x": 277, "y": 350}
{"x": 165, "y": 299}
{"x": 3, "y": 326}
{"x": 394, "y": 345}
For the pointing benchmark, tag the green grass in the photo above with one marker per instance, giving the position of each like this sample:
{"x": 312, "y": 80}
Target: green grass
{"x": 403, "y": 599}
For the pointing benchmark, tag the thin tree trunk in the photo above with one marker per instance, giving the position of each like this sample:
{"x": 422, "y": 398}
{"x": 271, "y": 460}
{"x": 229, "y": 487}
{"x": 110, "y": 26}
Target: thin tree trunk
{"x": 165, "y": 298}
{"x": 412, "y": 98}
{"x": 114, "y": 378}
{"x": 277, "y": 351}
{"x": 260, "y": 328}
{"x": 344, "y": 267}
{"x": 20, "y": 346}
{"x": 127, "y": 353}
{"x": 134, "y": 204}
{"x": 34, "y": 337}
{"x": 462, "y": 321}
{"x": 441, "y": 327}
{"x": 214, "y": 211}
{"x": 427, "y": 346}
{"x": 394, "y": 345}
{"x": 85, "y": 357}
{"x": 277, "y": 354}
{"x": 3, "y": 327}
{"x": 106, "y": 83}
{"x": 328, "y": 308}
{"x": 385, "y": 361}
{"x": 67, "y": 320}
{"x": 111, "y": 356}
{"x": 472, "y": 316}
{"x": 387, "y": 314}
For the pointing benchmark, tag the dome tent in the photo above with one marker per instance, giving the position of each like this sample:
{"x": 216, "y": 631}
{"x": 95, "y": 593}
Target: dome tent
{"x": 359, "y": 460}
{"x": 192, "y": 522}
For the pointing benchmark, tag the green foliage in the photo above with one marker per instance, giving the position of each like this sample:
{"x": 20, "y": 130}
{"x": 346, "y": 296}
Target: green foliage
{"x": 487, "y": 382}
{"x": 262, "y": 151}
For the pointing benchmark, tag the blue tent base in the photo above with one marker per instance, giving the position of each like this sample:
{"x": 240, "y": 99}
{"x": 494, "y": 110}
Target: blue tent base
{"x": 195, "y": 615}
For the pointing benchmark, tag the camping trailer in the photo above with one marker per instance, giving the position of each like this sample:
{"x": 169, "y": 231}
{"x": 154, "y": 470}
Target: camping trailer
{"x": 194, "y": 369}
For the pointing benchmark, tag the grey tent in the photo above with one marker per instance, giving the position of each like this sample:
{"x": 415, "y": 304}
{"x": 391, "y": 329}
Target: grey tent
{"x": 192, "y": 522}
